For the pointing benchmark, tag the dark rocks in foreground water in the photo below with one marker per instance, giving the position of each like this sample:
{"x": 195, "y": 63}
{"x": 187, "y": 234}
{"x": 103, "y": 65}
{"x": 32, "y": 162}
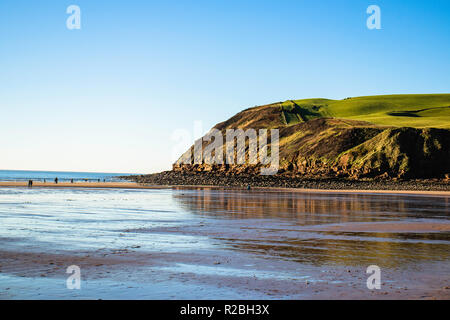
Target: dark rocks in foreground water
{"x": 243, "y": 180}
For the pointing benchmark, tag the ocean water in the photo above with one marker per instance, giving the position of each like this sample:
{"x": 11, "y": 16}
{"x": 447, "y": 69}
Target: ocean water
{"x": 23, "y": 175}
{"x": 212, "y": 243}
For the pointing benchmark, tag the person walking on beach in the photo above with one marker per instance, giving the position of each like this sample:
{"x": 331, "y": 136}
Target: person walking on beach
{"x": 30, "y": 183}
{"x": 71, "y": 180}
{"x": 56, "y": 180}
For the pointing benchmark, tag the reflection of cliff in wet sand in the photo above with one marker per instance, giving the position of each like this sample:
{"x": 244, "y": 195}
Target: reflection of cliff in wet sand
{"x": 344, "y": 229}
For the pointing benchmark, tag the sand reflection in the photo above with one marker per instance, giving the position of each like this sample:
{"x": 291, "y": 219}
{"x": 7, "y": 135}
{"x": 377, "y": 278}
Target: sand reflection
{"x": 345, "y": 229}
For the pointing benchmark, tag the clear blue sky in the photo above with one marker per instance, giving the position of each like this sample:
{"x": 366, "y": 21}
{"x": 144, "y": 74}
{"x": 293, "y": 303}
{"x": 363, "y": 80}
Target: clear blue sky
{"x": 109, "y": 96}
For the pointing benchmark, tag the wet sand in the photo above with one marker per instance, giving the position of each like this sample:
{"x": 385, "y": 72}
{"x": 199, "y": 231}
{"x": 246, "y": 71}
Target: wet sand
{"x": 392, "y": 227}
{"x": 211, "y": 243}
{"x": 118, "y": 274}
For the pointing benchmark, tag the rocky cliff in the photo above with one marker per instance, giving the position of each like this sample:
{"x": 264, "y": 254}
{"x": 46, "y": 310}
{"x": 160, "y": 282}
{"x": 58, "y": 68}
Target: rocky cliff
{"x": 313, "y": 143}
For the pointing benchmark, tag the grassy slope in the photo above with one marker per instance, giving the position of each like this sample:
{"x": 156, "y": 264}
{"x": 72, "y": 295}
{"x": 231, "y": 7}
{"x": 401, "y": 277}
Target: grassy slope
{"x": 415, "y": 110}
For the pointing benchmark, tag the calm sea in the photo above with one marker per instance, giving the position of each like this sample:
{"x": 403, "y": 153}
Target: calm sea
{"x": 21, "y": 175}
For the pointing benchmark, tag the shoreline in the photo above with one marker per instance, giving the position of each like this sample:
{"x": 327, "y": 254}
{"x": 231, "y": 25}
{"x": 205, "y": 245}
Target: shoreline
{"x": 106, "y": 185}
{"x": 290, "y": 182}
{"x": 135, "y": 185}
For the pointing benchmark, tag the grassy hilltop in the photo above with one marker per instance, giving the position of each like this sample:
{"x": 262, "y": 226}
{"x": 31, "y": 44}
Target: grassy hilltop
{"x": 403, "y": 136}
{"x": 412, "y": 110}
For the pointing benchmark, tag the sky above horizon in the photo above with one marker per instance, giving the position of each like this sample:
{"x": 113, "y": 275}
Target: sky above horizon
{"x": 109, "y": 96}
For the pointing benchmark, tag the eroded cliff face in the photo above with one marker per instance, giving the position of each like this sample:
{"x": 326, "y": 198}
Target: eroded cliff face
{"x": 328, "y": 147}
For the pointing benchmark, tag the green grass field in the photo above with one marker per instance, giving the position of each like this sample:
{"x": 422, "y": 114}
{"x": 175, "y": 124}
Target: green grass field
{"x": 409, "y": 110}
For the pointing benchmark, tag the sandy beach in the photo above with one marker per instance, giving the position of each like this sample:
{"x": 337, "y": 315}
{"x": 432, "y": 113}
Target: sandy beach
{"x": 134, "y": 185}
{"x": 115, "y": 185}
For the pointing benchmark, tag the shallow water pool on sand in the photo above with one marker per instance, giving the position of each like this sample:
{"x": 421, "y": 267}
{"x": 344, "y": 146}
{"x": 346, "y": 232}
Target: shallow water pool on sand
{"x": 214, "y": 243}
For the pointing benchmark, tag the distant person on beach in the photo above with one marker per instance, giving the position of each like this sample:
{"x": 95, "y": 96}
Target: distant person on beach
{"x": 56, "y": 180}
{"x": 45, "y": 181}
{"x": 30, "y": 183}
{"x": 71, "y": 180}
{"x": 98, "y": 180}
